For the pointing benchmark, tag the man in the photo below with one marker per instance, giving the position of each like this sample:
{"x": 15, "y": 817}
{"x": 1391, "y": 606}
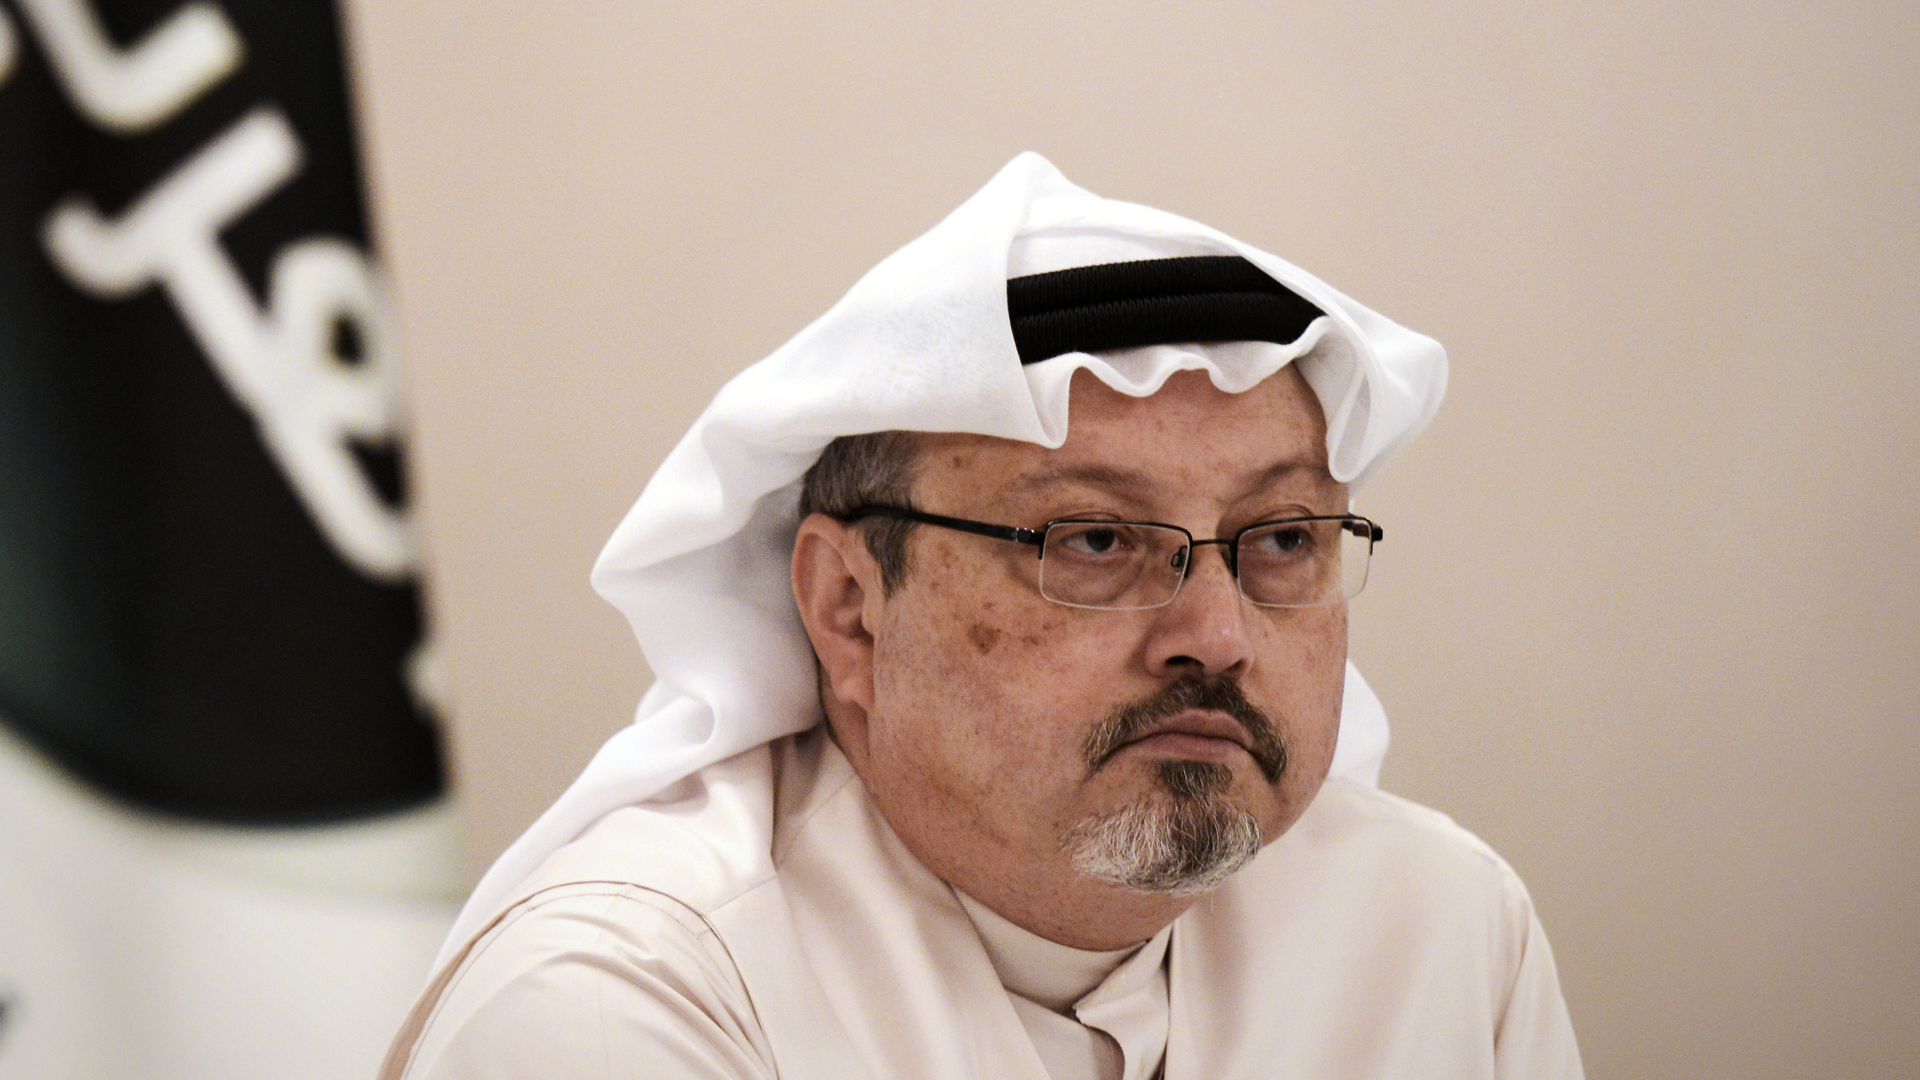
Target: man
{"x": 1048, "y": 519}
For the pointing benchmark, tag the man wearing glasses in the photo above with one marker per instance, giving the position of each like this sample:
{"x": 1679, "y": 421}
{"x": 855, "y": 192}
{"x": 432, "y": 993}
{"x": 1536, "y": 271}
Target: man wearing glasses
{"x": 1048, "y": 521}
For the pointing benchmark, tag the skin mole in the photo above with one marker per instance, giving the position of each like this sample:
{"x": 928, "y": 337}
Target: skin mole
{"x": 984, "y": 637}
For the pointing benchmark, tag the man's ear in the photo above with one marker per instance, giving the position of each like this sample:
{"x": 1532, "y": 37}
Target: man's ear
{"x": 836, "y": 584}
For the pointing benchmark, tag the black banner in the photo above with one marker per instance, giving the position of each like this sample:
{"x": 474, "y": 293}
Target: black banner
{"x": 206, "y": 598}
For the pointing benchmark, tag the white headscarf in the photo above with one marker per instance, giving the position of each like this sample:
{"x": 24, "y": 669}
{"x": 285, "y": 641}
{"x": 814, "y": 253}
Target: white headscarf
{"x": 921, "y": 343}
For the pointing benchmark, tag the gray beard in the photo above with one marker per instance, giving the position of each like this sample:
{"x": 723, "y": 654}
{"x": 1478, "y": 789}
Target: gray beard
{"x": 1182, "y": 839}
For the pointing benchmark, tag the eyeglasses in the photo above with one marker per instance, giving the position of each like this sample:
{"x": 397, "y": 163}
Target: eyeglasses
{"x": 1132, "y": 565}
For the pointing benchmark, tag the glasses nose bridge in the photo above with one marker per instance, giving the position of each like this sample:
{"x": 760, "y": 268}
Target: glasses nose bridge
{"x": 1229, "y": 547}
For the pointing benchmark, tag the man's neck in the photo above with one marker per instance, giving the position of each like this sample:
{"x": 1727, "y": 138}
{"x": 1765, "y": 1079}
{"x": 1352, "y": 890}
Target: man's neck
{"x": 1077, "y": 912}
{"x": 1042, "y": 971}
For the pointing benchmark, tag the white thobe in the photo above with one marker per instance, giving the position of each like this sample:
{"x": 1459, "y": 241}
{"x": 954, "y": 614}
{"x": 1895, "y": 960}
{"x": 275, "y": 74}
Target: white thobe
{"x": 768, "y": 923}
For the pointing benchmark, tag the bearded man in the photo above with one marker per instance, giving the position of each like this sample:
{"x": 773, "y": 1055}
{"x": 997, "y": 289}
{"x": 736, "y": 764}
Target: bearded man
{"x": 1004, "y": 727}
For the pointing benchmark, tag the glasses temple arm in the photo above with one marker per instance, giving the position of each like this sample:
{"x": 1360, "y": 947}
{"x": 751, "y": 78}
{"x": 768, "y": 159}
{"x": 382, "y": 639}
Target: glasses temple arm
{"x": 1360, "y": 526}
{"x": 1032, "y": 537}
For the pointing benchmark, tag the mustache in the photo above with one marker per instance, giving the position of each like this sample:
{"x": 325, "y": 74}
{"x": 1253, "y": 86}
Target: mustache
{"x": 1129, "y": 722}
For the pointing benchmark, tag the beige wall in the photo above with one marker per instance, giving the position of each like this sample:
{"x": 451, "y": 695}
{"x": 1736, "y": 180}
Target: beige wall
{"x": 1646, "y": 614}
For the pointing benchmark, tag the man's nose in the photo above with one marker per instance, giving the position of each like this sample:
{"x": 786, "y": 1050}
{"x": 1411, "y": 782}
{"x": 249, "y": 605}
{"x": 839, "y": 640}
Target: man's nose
{"x": 1204, "y": 629}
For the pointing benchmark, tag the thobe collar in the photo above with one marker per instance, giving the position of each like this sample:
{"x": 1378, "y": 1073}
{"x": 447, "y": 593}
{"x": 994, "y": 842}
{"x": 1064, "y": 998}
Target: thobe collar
{"x": 1121, "y": 993}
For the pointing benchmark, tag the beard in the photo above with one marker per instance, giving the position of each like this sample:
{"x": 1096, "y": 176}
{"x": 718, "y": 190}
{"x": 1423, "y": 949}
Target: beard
{"x": 1186, "y": 836}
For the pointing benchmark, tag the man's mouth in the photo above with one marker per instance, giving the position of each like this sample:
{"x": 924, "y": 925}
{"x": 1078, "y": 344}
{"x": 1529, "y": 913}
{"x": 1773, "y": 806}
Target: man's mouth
{"x": 1200, "y": 736}
{"x": 1205, "y": 720}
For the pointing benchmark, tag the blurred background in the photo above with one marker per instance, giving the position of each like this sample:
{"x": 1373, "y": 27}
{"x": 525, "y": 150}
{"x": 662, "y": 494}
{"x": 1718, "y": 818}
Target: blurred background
{"x": 1644, "y": 618}
{"x": 226, "y": 849}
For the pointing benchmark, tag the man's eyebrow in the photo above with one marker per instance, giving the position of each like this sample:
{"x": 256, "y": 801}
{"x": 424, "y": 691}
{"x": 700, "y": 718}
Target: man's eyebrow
{"x": 1111, "y": 477}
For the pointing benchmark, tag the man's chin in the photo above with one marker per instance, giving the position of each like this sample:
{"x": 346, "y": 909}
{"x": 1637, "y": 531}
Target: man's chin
{"x": 1184, "y": 838}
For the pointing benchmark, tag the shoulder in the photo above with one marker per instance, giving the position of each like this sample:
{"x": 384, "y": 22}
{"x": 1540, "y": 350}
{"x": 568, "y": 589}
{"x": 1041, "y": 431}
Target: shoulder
{"x": 1349, "y": 805}
{"x": 612, "y": 941}
{"x": 1460, "y": 918}
{"x": 1361, "y": 863}
{"x": 580, "y": 976}
{"x": 715, "y": 837}
{"x": 1365, "y": 827}
{"x": 1379, "y": 928}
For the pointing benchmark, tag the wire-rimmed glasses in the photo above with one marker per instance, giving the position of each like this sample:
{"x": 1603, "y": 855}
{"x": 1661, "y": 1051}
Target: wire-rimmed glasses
{"x": 1295, "y": 562}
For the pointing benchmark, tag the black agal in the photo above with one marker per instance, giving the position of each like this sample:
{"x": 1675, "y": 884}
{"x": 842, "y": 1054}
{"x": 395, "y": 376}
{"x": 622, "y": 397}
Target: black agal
{"x": 1152, "y": 302}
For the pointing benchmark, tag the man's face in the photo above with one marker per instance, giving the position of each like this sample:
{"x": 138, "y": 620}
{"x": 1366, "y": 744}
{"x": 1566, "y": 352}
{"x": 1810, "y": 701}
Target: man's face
{"x": 1004, "y": 727}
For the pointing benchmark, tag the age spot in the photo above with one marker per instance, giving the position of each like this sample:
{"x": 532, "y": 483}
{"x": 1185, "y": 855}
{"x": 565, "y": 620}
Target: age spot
{"x": 984, "y": 637}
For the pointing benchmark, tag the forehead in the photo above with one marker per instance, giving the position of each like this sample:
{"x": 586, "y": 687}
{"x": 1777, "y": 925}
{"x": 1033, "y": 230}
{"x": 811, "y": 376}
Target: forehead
{"x": 1279, "y": 414}
{"x": 1187, "y": 434}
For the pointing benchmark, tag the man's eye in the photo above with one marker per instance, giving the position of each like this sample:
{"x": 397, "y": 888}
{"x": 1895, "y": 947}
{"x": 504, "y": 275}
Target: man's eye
{"x": 1283, "y": 542}
{"x": 1093, "y": 540}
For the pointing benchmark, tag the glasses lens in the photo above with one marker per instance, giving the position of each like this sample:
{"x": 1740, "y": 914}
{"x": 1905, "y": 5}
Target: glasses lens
{"x": 1111, "y": 564}
{"x": 1305, "y": 563}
